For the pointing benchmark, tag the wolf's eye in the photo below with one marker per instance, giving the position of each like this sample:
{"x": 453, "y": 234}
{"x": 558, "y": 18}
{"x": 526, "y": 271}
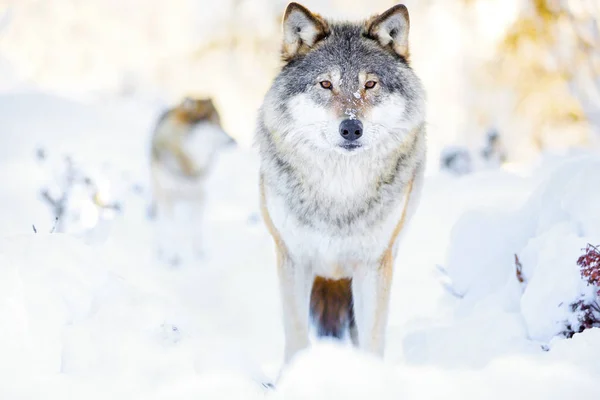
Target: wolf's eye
{"x": 370, "y": 84}
{"x": 326, "y": 84}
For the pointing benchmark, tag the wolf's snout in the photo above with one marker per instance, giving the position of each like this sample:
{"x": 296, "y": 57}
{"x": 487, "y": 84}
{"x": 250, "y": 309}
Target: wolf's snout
{"x": 351, "y": 129}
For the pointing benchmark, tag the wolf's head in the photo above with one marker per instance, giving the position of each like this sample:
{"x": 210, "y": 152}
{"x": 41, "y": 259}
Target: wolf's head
{"x": 193, "y": 110}
{"x": 345, "y": 87}
{"x": 189, "y": 136}
{"x": 202, "y": 119}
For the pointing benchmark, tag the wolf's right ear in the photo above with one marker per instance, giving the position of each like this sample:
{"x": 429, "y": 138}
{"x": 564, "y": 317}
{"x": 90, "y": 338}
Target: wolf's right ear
{"x": 301, "y": 30}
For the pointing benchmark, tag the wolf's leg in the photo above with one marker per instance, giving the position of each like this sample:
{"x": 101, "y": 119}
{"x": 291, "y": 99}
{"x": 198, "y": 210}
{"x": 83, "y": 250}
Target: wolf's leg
{"x": 197, "y": 215}
{"x": 167, "y": 231}
{"x": 371, "y": 285}
{"x": 354, "y": 334}
{"x": 295, "y": 284}
{"x": 371, "y": 292}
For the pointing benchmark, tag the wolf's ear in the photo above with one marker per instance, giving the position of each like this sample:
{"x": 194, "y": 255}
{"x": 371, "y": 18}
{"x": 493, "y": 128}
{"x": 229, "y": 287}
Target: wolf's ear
{"x": 301, "y": 30}
{"x": 390, "y": 29}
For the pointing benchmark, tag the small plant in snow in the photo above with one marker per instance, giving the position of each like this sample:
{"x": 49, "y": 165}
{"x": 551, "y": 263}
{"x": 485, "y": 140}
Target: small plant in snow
{"x": 75, "y": 199}
{"x": 519, "y": 270}
{"x": 456, "y": 160}
{"x": 493, "y": 153}
{"x": 587, "y": 309}
{"x": 590, "y": 266}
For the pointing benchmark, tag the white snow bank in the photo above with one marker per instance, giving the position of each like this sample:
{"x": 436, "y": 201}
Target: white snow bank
{"x": 108, "y": 321}
{"x": 547, "y": 234}
{"x": 74, "y": 315}
{"x": 566, "y": 218}
{"x": 107, "y": 142}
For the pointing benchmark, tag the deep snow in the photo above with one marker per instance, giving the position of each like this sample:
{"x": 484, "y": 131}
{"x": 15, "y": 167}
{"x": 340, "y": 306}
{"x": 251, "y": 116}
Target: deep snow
{"x": 94, "y": 315}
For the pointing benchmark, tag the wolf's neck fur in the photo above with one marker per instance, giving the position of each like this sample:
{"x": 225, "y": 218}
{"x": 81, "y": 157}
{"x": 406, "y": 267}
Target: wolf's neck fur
{"x": 344, "y": 177}
{"x": 342, "y": 190}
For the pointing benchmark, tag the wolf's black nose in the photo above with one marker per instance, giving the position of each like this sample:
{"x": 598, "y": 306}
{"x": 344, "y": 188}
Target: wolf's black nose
{"x": 351, "y": 129}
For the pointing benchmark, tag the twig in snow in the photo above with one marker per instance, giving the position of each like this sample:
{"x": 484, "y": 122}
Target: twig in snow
{"x": 447, "y": 283}
{"x": 519, "y": 270}
{"x": 54, "y": 226}
{"x": 57, "y": 206}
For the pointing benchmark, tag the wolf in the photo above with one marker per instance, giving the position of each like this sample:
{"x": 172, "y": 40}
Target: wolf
{"x": 185, "y": 140}
{"x": 342, "y": 144}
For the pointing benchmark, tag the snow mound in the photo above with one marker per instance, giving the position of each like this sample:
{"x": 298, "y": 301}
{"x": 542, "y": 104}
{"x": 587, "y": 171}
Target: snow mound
{"x": 103, "y": 319}
{"x": 330, "y": 371}
{"x": 546, "y": 236}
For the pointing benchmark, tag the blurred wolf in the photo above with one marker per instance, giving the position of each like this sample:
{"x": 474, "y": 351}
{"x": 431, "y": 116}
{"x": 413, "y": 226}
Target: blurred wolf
{"x": 341, "y": 134}
{"x": 185, "y": 141}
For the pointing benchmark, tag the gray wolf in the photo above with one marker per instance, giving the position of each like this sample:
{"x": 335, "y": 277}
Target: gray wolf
{"x": 341, "y": 135}
{"x": 185, "y": 142}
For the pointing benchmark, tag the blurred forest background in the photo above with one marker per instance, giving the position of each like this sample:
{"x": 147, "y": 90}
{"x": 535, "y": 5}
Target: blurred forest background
{"x": 518, "y": 76}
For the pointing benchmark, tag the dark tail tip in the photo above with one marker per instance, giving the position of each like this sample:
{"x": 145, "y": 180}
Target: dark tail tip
{"x": 331, "y": 306}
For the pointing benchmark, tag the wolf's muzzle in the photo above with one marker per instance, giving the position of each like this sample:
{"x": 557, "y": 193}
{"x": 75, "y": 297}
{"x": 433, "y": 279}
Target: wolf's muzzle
{"x": 351, "y": 129}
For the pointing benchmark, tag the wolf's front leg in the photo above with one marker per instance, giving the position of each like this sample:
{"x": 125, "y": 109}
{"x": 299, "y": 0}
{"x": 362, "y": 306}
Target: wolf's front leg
{"x": 371, "y": 294}
{"x": 197, "y": 227}
{"x": 295, "y": 286}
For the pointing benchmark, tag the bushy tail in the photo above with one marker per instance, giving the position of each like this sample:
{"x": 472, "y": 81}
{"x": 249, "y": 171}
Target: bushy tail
{"x": 331, "y": 306}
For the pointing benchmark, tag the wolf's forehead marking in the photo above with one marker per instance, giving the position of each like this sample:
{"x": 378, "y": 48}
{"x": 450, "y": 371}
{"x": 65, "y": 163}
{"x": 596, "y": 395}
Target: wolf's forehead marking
{"x": 333, "y": 74}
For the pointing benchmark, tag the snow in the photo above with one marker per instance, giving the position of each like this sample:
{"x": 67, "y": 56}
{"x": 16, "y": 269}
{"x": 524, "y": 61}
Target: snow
{"x": 97, "y": 316}
{"x": 547, "y": 234}
{"x": 350, "y": 112}
{"x": 89, "y": 311}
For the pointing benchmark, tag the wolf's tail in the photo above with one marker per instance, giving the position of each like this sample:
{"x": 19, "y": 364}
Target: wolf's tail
{"x": 331, "y": 306}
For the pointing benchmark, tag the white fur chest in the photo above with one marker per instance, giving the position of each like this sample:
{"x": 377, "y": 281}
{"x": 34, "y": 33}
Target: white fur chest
{"x": 329, "y": 254}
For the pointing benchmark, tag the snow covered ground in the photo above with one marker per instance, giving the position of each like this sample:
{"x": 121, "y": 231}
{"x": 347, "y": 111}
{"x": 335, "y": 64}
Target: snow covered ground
{"x": 94, "y": 315}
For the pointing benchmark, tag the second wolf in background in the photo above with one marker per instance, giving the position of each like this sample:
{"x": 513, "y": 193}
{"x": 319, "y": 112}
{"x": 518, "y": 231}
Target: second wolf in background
{"x": 185, "y": 142}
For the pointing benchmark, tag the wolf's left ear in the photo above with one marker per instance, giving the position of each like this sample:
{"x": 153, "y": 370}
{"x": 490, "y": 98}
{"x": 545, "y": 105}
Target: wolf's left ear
{"x": 390, "y": 29}
{"x": 301, "y": 30}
